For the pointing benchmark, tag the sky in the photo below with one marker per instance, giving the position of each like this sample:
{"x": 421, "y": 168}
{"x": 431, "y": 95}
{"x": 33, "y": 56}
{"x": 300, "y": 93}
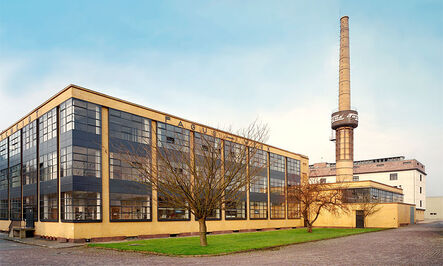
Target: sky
{"x": 227, "y": 63}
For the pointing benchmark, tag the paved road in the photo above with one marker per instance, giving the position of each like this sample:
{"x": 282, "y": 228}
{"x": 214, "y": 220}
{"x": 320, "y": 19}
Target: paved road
{"x": 420, "y": 244}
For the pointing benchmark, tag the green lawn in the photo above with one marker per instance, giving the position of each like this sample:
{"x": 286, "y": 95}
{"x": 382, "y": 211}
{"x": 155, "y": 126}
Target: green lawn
{"x": 229, "y": 243}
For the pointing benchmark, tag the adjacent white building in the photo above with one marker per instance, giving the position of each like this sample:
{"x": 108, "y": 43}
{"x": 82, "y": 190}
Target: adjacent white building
{"x": 408, "y": 174}
{"x": 434, "y": 209}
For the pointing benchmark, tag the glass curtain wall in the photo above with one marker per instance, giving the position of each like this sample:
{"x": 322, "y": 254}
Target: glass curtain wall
{"x": 48, "y": 166}
{"x": 204, "y": 145}
{"x": 29, "y": 168}
{"x": 293, "y": 176}
{"x": 235, "y": 210}
{"x": 80, "y": 161}
{"x": 172, "y": 139}
{"x": 277, "y": 188}
{"x": 15, "y": 164}
{"x": 129, "y": 143}
{"x": 4, "y": 183}
{"x": 258, "y": 192}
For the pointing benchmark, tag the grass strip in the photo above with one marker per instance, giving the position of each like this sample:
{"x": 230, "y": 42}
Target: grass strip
{"x": 231, "y": 243}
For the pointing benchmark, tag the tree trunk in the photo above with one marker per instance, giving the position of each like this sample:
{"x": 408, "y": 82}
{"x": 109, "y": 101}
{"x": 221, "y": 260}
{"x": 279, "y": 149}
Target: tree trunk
{"x": 203, "y": 231}
{"x": 309, "y": 228}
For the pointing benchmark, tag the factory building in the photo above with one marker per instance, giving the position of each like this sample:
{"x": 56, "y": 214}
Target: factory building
{"x": 60, "y": 165}
{"x": 398, "y": 172}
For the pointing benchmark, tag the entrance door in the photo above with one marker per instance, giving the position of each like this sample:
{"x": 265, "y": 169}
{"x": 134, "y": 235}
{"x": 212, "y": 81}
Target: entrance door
{"x": 359, "y": 219}
{"x": 412, "y": 215}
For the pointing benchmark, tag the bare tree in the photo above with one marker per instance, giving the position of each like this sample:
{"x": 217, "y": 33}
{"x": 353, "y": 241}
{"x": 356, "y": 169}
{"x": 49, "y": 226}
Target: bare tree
{"x": 368, "y": 205}
{"x": 315, "y": 196}
{"x": 204, "y": 180}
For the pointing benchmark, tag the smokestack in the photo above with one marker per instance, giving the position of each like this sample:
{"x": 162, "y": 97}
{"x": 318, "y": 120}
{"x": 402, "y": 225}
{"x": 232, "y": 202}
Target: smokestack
{"x": 345, "y": 120}
{"x": 344, "y": 85}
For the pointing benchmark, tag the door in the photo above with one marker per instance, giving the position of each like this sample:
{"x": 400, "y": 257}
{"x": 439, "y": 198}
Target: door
{"x": 29, "y": 217}
{"x": 359, "y": 219}
{"x": 412, "y": 215}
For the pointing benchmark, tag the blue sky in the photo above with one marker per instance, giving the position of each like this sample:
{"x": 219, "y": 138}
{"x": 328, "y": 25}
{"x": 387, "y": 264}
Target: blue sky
{"x": 225, "y": 63}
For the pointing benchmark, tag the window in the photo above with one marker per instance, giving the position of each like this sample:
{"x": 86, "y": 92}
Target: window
{"x": 4, "y": 214}
{"x": 48, "y": 166}
{"x": 421, "y": 178}
{"x": 208, "y": 150}
{"x": 234, "y": 160}
{"x": 16, "y": 208}
{"x": 81, "y": 206}
{"x": 355, "y": 178}
{"x": 48, "y": 126}
{"x": 30, "y": 172}
{"x": 277, "y": 186}
{"x": 4, "y": 179}
{"x": 235, "y": 210}
{"x": 129, "y": 127}
{"x": 80, "y": 115}
{"x": 30, "y": 135}
{"x": 4, "y": 206}
{"x": 14, "y": 175}
{"x": 176, "y": 140}
{"x": 421, "y": 203}
{"x": 322, "y": 180}
{"x": 49, "y": 207}
{"x": 127, "y": 207}
{"x": 393, "y": 176}
{"x": 166, "y": 212}
{"x": 258, "y": 192}
{"x": 293, "y": 176}
{"x": 14, "y": 144}
{"x": 258, "y": 209}
{"x": 80, "y": 161}
{"x": 420, "y": 190}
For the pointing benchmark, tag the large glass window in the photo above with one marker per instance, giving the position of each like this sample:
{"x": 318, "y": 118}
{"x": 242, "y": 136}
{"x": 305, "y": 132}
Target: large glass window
{"x": 172, "y": 139}
{"x": 277, "y": 188}
{"x": 14, "y": 175}
{"x": 81, "y": 206}
{"x": 129, "y": 144}
{"x": 129, "y": 127}
{"x": 48, "y": 166}
{"x": 14, "y": 144}
{"x": 4, "y": 214}
{"x": 4, "y": 185}
{"x": 258, "y": 193}
{"x": 293, "y": 175}
{"x": 208, "y": 164}
{"x": 48, "y": 126}
{"x": 29, "y": 168}
{"x": 16, "y": 208}
{"x": 80, "y": 115}
{"x": 233, "y": 152}
{"x": 4, "y": 179}
{"x": 30, "y": 172}
{"x": 80, "y": 161}
{"x": 130, "y": 207}
{"x": 358, "y": 195}
{"x": 49, "y": 207}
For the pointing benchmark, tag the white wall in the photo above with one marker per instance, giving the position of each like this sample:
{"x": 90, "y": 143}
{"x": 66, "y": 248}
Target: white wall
{"x": 434, "y": 205}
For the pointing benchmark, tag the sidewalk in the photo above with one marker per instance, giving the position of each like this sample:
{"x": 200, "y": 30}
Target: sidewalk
{"x": 40, "y": 242}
